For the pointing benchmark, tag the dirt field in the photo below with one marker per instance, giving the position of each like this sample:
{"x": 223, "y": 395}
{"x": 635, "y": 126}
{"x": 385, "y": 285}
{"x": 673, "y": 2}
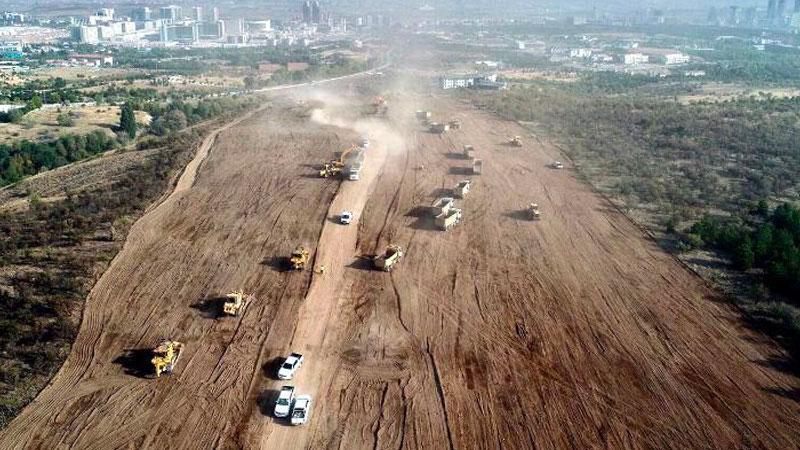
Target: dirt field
{"x": 574, "y": 331}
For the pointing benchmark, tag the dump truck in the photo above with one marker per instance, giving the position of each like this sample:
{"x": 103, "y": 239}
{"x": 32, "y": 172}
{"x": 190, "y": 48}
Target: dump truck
{"x": 516, "y": 141}
{"x": 390, "y": 257}
{"x": 438, "y": 128}
{"x": 477, "y": 166}
{"x": 165, "y": 356}
{"x": 469, "y": 151}
{"x": 448, "y": 220}
{"x": 236, "y": 302}
{"x": 462, "y": 189}
{"x": 533, "y": 211}
{"x": 454, "y": 124}
{"x": 441, "y": 206}
{"x": 423, "y": 116}
{"x": 299, "y": 258}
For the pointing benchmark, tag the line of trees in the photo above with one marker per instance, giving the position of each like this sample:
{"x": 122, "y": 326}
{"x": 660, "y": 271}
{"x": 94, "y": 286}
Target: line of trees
{"x": 24, "y": 158}
{"x": 769, "y": 241}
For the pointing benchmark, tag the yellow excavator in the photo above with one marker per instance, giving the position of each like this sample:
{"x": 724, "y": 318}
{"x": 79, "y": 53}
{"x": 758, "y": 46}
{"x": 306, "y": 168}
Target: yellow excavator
{"x": 165, "y": 356}
{"x": 299, "y": 258}
{"x": 236, "y": 302}
{"x": 333, "y": 168}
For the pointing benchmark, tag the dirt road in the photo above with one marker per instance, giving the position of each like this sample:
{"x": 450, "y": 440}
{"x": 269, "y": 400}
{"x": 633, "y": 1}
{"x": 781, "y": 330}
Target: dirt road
{"x": 574, "y": 331}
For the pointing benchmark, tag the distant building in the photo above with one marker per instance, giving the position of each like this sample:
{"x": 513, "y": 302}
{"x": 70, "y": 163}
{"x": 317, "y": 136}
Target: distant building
{"x": 91, "y": 59}
{"x": 184, "y": 32}
{"x": 234, "y": 27}
{"x": 316, "y": 12}
{"x": 305, "y": 10}
{"x": 580, "y": 53}
{"x": 632, "y": 59}
{"x": 259, "y": 26}
{"x": 197, "y": 13}
{"x": 11, "y": 50}
{"x": 142, "y": 14}
{"x": 215, "y": 14}
{"x": 477, "y": 81}
{"x": 171, "y": 13}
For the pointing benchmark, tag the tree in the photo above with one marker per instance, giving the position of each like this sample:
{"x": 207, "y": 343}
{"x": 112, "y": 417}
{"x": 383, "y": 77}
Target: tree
{"x": 743, "y": 256}
{"x": 64, "y": 120}
{"x": 127, "y": 120}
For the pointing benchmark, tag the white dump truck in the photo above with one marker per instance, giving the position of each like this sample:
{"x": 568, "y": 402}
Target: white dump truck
{"x": 462, "y": 189}
{"x": 448, "y": 220}
{"x": 390, "y": 257}
{"x": 468, "y": 152}
{"x": 477, "y": 166}
{"x": 441, "y": 206}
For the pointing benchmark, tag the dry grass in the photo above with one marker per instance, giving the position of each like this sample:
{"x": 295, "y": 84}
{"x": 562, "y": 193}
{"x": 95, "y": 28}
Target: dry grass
{"x": 42, "y": 124}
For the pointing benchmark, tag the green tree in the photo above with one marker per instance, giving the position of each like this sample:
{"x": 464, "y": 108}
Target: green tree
{"x": 743, "y": 255}
{"x": 127, "y": 120}
{"x": 64, "y": 120}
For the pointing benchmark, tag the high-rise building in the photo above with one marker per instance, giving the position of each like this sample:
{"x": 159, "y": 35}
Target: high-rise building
{"x": 771, "y": 9}
{"x": 305, "y": 8}
{"x": 197, "y": 13}
{"x": 171, "y": 12}
{"x": 215, "y": 14}
{"x": 781, "y": 11}
{"x": 142, "y": 14}
{"x": 797, "y": 6}
{"x": 316, "y": 12}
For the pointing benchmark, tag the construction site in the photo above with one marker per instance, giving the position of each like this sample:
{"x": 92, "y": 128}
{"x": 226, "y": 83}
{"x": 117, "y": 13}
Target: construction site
{"x": 478, "y": 299}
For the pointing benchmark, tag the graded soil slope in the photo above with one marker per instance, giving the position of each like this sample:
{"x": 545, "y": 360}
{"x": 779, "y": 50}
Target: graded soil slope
{"x": 575, "y": 331}
{"x": 254, "y": 198}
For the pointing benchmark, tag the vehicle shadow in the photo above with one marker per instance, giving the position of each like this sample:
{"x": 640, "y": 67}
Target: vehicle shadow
{"x": 277, "y": 263}
{"x": 455, "y": 155}
{"x": 424, "y": 223}
{"x": 363, "y": 262}
{"x": 442, "y": 192}
{"x": 517, "y": 214}
{"x": 270, "y": 368}
{"x": 418, "y": 211}
{"x": 458, "y": 170}
{"x": 209, "y": 308}
{"x": 136, "y": 362}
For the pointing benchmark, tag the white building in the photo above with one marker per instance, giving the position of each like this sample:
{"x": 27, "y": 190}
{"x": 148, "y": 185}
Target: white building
{"x": 454, "y": 82}
{"x": 580, "y": 53}
{"x": 632, "y": 59}
{"x": 675, "y": 58}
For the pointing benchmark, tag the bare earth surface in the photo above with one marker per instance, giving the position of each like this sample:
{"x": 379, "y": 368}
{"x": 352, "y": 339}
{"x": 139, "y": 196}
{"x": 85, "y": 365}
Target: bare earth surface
{"x": 575, "y": 331}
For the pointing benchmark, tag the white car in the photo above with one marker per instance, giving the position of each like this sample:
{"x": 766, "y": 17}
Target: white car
{"x": 290, "y": 366}
{"x": 364, "y": 142}
{"x": 558, "y": 165}
{"x": 283, "y": 405}
{"x": 345, "y": 218}
{"x": 301, "y": 409}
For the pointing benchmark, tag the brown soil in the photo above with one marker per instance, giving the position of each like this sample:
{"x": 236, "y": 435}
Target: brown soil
{"x": 575, "y": 331}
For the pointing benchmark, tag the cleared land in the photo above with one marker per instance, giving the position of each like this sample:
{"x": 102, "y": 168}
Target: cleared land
{"x": 575, "y": 331}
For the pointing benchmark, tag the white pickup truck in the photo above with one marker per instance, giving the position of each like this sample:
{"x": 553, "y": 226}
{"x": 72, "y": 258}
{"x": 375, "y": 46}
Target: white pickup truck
{"x": 283, "y": 405}
{"x": 301, "y": 410}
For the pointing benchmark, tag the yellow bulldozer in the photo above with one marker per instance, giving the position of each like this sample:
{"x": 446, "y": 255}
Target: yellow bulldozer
{"x": 330, "y": 169}
{"x": 165, "y": 356}
{"x": 236, "y": 302}
{"x": 299, "y": 258}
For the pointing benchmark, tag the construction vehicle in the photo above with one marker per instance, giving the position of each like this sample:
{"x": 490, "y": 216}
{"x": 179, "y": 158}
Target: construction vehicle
{"x": 423, "y": 116}
{"x": 516, "y": 141}
{"x": 469, "y": 152}
{"x": 380, "y": 106}
{"x": 477, "y": 166}
{"x": 390, "y": 257}
{"x": 330, "y": 170}
{"x": 454, "y": 124}
{"x": 299, "y": 258}
{"x": 165, "y": 356}
{"x": 439, "y": 128}
{"x": 461, "y": 189}
{"x": 557, "y": 165}
{"x": 236, "y": 302}
{"x": 533, "y": 211}
{"x": 448, "y": 220}
{"x": 441, "y": 206}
